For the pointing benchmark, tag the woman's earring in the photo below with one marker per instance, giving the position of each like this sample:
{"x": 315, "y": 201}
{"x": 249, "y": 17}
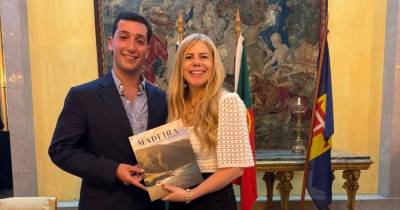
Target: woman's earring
{"x": 185, "y": 84}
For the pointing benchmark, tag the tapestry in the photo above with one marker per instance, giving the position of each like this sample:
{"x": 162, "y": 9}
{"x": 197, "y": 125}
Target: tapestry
{"x": 282, "y": 39}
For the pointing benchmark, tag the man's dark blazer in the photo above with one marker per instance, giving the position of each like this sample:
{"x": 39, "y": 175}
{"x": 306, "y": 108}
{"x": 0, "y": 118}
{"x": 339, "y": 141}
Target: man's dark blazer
{"x": 91, "y": 139}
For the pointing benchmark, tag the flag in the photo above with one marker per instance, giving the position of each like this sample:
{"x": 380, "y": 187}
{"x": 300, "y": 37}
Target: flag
{"x": 319, "y": 180}
{"x": 248, "y": 188}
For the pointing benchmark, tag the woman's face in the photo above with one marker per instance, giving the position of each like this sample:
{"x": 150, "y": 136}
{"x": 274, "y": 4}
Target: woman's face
{"x": 197, "y": 65}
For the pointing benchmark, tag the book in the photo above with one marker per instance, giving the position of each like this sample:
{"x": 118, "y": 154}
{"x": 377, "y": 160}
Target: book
{"x": 166, "y": 155}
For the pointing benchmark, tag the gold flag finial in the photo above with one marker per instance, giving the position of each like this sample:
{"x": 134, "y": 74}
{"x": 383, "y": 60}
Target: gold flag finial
{"x": 237, "y": 20}
{"x": 180, "y": 27}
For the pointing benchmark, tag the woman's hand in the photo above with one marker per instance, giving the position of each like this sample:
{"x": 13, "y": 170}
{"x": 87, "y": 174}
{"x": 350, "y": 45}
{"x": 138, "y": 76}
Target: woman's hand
{"x": 215, "y": 182}
{"x": 176, "y": 194}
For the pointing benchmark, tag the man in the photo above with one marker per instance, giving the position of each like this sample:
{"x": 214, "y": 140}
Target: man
{"x": 91, "y": 135}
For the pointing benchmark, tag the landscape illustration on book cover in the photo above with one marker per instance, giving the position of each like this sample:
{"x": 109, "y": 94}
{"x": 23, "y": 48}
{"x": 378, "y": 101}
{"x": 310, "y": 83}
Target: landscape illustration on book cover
{"x": 166, "y": 155}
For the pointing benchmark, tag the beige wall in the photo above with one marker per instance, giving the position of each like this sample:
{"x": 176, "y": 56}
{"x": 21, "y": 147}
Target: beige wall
{"x": 63, "y": 54}
{"x": 357, "y": 34}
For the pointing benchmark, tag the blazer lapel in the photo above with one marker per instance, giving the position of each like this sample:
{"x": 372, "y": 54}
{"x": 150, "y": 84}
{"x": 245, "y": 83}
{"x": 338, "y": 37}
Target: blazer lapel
{"x": 151, "y": 103}
{"x": 112, "y": 100}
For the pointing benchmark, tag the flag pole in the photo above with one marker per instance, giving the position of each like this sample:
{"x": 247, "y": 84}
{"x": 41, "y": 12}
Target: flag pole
{"x": 3, "y": 87}
{"x": 238, "y": 33}
{"x": 323, "y": 38}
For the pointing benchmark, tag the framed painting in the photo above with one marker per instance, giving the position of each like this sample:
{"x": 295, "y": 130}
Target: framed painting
{"x": 282, "y": 39}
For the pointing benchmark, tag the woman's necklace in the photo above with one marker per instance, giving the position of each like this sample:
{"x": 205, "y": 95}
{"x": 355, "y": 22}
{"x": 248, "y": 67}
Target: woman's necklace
{"x": 189, "y": 112}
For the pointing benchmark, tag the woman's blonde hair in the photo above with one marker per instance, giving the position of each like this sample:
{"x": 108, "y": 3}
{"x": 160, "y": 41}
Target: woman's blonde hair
{"x": 205, "y": 117}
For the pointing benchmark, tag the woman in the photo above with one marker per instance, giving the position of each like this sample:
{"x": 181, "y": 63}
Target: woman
{"x": 218, "y": 123}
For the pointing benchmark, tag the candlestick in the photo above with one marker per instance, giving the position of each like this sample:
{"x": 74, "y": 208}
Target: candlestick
{"x": 299, "y": 112}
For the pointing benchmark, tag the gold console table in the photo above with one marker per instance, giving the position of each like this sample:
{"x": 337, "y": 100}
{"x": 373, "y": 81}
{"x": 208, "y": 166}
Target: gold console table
{"x": 279, "y": 165}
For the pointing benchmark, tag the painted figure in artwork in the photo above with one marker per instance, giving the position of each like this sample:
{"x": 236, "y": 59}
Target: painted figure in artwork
{"x": 279, "y": 55}
{"x": 274, "y": 21}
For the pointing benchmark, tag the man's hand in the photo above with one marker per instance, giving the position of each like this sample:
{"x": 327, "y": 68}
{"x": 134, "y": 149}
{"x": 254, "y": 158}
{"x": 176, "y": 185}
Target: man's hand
{"x": 129, "y": 174}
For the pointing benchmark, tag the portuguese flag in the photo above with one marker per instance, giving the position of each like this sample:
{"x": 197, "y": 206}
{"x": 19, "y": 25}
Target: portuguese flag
{"x": 248, "y": 186}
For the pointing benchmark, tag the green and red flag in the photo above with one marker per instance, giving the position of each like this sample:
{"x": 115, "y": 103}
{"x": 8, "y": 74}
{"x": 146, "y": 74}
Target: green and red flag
{"x": 248, "y": 186}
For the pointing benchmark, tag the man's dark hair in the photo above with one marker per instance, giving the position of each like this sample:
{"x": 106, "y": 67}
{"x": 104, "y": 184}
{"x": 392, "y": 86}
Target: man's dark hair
{"x": 132, "y": 16}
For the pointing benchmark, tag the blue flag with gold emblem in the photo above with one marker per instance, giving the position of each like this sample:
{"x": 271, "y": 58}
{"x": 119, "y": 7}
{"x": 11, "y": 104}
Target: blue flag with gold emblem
{"x": 319, "y": 180}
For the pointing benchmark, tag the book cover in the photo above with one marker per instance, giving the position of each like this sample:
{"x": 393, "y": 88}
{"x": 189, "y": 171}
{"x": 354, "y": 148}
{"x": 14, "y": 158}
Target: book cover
{"x": 166, "y": 155}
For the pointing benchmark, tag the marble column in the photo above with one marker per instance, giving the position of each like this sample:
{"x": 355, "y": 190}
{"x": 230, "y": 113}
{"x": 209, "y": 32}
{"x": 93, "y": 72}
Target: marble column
{"x": 389, "y": 170}
{"x": 15, "y": 33}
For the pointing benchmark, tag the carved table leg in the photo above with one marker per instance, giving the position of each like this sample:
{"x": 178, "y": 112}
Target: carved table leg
{"x": 351, "y": 185}
{"x": 284, "y": 187}
{"x": 269, "y": 179}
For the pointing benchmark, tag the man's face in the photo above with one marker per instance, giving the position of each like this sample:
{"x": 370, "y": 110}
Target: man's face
{"x": 129, "y": 46}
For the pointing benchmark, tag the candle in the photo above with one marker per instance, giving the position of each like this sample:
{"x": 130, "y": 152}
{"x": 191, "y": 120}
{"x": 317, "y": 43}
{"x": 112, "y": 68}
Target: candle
{"x": 298, "y": 101}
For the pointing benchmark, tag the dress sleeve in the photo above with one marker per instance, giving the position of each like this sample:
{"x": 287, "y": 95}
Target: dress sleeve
{"x": 233, "y": 147}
